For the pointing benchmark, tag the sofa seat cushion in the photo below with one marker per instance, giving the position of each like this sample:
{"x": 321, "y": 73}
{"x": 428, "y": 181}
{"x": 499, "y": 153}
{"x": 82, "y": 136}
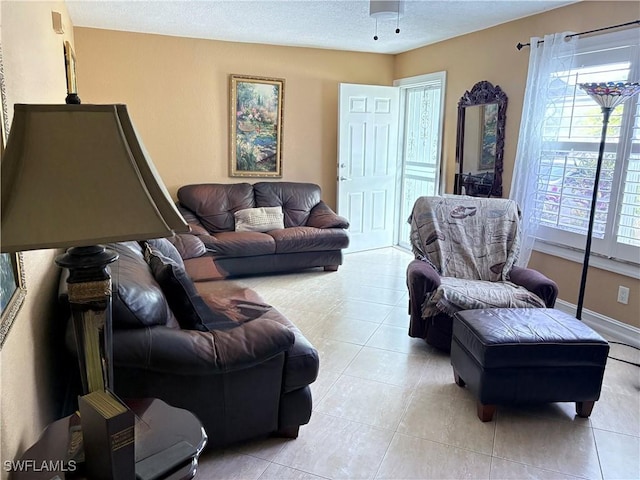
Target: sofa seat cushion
{"x": 240, "y": 244}
{"x": 309, "y": 239}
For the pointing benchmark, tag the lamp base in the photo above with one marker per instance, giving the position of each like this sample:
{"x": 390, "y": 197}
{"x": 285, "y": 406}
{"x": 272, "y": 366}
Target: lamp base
{"x": 89, "y": 285}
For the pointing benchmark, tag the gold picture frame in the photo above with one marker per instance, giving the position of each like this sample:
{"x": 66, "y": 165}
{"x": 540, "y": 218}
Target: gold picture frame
{"x": 256, "y": 107}
{"x": 12, "y": 279}
{"x": 70, "y": 68}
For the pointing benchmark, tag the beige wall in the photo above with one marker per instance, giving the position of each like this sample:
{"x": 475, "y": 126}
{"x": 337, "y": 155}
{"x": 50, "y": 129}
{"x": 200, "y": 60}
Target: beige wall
{"x": 491, "y": 55}
{"x": 29, "y": 367}
{"x": 177, "y": 93}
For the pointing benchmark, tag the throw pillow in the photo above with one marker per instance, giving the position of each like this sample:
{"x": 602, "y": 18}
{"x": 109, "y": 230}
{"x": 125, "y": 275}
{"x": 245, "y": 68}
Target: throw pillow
{"x": 188, "y": 307}
{"x": 261, "y": 219}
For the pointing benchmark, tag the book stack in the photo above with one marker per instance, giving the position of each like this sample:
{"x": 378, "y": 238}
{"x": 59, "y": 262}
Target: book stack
{"x": 108, "y": 436}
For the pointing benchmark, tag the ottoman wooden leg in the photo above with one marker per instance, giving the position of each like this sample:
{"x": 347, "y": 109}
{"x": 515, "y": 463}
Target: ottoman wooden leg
{"x": 583, "y": 409}
{"x": 485, "y": 412}
{"x": 459, "y": 381}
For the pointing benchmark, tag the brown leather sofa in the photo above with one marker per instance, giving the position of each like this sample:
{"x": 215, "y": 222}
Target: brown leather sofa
{"x": 313, "y": 235}
{"x": 237, "y": 363}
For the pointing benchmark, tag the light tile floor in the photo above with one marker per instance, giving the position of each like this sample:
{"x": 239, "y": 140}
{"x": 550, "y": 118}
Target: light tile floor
{"x": 386, "y": 405}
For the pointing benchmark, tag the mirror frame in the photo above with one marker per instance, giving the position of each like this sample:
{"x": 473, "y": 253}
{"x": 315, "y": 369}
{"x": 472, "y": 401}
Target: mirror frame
{"x": 483, "y": 93}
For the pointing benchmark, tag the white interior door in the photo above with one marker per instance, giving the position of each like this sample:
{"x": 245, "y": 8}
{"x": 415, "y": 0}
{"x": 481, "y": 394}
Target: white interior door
{"x": 367, "y": 163}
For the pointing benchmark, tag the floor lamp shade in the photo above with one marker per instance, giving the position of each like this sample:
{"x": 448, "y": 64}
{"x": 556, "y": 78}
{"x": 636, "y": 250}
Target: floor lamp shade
{"x": 75, "y": 175}
{"x": 78, "y": 176}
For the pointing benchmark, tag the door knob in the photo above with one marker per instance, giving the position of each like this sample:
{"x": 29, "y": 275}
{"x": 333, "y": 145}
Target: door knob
{"x": 343, "y": 179}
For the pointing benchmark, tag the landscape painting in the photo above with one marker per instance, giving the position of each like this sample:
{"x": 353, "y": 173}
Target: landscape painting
{"x": 256, "y": 126}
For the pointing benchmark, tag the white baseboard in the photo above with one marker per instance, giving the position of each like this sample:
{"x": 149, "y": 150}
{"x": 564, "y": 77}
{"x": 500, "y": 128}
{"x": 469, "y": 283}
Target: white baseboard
{"x": 606, "y": 326}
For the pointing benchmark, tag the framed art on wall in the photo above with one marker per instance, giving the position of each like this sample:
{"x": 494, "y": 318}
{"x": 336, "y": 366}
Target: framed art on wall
{"x": 256, "y": 126}
{"x": 12, "y": 280}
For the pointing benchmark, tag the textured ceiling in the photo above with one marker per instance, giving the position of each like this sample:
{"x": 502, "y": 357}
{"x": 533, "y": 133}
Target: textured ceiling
{"x": 333, "y": 24}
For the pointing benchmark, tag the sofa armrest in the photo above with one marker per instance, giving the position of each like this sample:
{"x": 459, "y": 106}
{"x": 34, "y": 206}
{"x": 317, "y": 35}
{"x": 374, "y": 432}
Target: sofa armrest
{"x": 321, "y": 216}
{"x": 188, "y": 352}
{"x": 209, "y": 241}
{"x": 188, "y": 245}
{"x": 535, "y": 282}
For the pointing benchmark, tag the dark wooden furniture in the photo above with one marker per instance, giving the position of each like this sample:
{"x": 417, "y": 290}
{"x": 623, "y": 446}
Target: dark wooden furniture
{"x": 158, "y": 427}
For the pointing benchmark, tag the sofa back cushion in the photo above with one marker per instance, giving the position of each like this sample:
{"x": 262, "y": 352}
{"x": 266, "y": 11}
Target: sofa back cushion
{"x": 214, "y": 203}
{"x": 296, "y": 199}
{"x": 137, "y": 299}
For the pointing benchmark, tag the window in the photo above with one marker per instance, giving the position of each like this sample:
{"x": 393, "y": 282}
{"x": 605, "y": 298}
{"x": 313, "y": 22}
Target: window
{"x": 571, "y": 137}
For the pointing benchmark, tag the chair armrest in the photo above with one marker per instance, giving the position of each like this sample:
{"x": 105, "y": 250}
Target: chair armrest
{"x": 535, "y": 282}
{"x": 188, "y": 352}
{"x": 321, "y": 216}
{"x": 422, "y": 279}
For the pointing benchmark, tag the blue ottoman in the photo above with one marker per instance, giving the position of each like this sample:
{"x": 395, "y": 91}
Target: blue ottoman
{"x": 527, "y": 355}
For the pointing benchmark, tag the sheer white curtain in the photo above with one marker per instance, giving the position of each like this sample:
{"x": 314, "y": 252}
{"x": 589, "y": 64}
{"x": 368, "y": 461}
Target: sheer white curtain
{"x": 549, "y": 61}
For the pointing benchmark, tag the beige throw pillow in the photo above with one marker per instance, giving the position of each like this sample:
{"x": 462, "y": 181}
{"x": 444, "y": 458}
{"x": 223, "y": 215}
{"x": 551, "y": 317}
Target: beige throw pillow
{"x": 260, "y": 219}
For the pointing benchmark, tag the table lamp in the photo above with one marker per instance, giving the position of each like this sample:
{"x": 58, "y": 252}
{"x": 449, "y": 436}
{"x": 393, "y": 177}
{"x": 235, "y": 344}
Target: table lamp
{"x": 78, "y": 176}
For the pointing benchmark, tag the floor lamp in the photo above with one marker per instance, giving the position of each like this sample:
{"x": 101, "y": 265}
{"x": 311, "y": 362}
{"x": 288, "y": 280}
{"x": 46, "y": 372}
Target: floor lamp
{"x": 608, "y": 96}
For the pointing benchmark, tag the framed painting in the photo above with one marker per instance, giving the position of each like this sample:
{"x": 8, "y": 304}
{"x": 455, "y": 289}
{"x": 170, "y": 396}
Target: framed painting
{"x": 256, "y": 126}
{"x": 12, "y": 280}
{"x": 70, "y": 68}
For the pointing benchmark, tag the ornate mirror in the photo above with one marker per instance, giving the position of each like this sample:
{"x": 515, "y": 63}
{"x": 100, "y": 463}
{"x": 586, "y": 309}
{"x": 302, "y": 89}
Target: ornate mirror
{"x": 480, "y": 143}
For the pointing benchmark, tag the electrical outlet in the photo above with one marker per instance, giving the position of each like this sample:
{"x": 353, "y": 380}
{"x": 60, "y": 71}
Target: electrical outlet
{"x": 623, "y": 295}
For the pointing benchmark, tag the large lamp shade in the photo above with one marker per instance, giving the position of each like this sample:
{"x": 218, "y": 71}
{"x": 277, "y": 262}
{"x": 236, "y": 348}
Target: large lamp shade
{"x": 77, "y": 175}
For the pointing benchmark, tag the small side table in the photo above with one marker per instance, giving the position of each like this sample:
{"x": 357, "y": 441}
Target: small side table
{"x": 158, "y": 426}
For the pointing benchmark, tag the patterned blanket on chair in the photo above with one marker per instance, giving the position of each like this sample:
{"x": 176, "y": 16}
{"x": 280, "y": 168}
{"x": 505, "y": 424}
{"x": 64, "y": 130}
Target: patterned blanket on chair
{"x": 473, "y": 243}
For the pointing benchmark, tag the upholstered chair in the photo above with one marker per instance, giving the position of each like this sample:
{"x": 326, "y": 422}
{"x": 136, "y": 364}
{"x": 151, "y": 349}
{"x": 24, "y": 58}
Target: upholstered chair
{"x": 466, "y": 249}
